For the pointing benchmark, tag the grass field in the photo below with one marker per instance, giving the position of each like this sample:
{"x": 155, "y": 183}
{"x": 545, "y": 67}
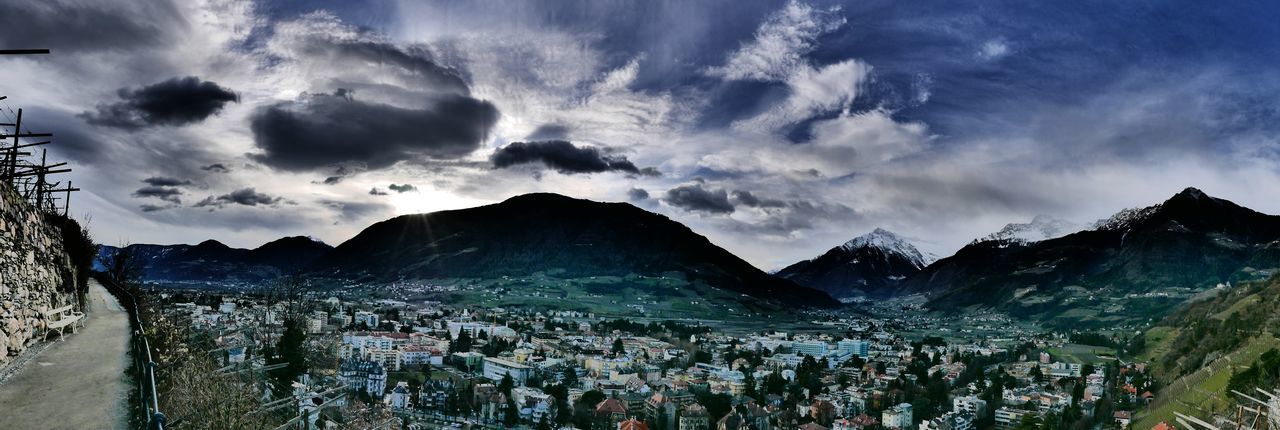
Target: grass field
{"x": 1159, "y": 340}
{"x": 1204, "y": 392}
{"x": 1082, "y": 354}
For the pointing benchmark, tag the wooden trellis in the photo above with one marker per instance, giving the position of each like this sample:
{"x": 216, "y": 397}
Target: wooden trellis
{"x": 29, "y": 177}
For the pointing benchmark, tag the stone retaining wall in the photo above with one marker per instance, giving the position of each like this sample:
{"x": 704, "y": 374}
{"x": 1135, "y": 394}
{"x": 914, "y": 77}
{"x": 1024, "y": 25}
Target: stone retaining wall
{"x": 35, "y": 273}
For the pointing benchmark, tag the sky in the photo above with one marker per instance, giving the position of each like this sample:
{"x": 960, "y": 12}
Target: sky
{"x": 777, "y": 129}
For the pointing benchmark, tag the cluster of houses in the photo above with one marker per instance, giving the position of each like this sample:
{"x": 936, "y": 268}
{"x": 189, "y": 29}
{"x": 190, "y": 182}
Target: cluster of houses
{"x": 653, "y": 380}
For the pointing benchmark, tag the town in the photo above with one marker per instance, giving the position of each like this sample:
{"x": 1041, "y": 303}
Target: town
{"x": 427, "y": 364}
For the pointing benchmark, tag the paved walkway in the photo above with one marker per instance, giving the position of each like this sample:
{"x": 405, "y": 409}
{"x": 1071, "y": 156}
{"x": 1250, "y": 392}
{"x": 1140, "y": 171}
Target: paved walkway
{"x": 78, "y": 383}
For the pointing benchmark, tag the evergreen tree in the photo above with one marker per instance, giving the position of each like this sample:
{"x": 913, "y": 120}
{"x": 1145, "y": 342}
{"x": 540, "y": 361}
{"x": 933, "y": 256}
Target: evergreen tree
{"x": 570, "y": 377}
{"x": 512, "y": 415}
{"x": 507, "y": 384}
{"x": 289, "y": 350}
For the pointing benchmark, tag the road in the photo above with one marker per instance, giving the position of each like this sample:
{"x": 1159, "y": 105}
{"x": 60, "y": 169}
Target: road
{"x": 78, "y": 383}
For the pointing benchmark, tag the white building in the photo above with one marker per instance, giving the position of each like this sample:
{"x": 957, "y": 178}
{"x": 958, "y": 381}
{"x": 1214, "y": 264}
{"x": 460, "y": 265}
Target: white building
{"x": 971, "y": 405}
{"x": 897, "y": 417}
{"x": 860, "y": 348}
{"x": 496, "y": 368}
{"x": 399, "y": 398}
{"x": 368, "y": 318}
{"x": 814, "y": 348}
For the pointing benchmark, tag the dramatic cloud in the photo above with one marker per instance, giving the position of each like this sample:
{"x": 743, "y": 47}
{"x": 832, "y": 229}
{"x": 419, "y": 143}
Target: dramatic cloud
{"x": 748, "y": 199}
{"x": 154, "y": 208}
{"x": 75, "y": 26}
{"x": 178, "y": 101}
{"x": 216, "y": 168}
{"x": 696, "y": 198}
{"x": 326, "y": 130}
{"x": 564, "y": 157}
{"x": 939, "y": 121}
{"x": 162, "y": 181}
{"x": 168, "y": 194}
{"x": 637, "y": 194}
{"x": 403, "y": 188}
{"x": 780, "y": 44}
{"x": 244, "y": 196}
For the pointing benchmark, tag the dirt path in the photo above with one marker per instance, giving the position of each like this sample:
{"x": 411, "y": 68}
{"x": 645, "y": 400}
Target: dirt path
{"x": 78, "y": 383}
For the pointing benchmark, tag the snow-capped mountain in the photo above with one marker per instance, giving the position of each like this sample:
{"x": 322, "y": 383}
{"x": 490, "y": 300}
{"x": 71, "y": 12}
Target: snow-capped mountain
{"x": 871, "y": 264}
{"x": 1040, "y": 228}
{"x": 1126, "y": 218}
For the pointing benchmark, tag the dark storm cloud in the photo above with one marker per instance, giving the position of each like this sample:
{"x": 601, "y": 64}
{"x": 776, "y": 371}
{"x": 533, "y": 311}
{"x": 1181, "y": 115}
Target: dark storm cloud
{"x": 749, "y": 199}
{"x": 154, "y": 208}
{"x": 332, "y": 180}
{"x": 697, "y": 198}
{"x": 637, "y": 194}
{"x": 175, "y": 102}
{"x": 216, "y": 168}
{"x": 326, "y": 130}
{"x": 164, "y": 181}
{"x": 375, "y": 191}
{"x": 77, "y": 26}
{"x": 245, "y": 197}
{"x": 565, "y": 157}
{"x": 168, "y": 194}
{"x": 403, "y": 188}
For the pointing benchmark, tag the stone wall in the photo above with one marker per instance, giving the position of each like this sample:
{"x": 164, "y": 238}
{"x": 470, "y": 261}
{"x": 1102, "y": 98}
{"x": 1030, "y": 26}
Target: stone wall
{"x": 35, "y": 273}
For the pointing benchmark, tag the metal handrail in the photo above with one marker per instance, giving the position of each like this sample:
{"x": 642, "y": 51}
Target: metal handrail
{"x": 147, "y": 368}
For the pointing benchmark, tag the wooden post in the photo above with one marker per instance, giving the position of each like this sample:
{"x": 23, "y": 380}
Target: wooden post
{"x": 13, "y": 156}
{"x": 66, "y": 204}
{"x": 44, "y": 154}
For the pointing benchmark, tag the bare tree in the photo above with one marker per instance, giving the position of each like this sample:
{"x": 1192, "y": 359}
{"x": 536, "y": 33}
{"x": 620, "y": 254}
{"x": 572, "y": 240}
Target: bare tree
{"x": 124, "y": 266}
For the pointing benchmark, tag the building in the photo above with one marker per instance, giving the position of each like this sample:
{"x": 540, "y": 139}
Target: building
{"x": 1008, "y": 418}
{"x": 368, "y": 318}
{"x": 632, "y": 424}
{"x": 949, "y": 421}
{"x": 898, "y": 417}
{"x": 399, "y": 398}
{"x": 421, "y": 355}
{"x": 434, "y": 395}
{"x": 695, "y": 417}
{"x": 860, "y": 348}
{"x": 472, "y": 361}
{"x": 661, "y": 411}
{"x": 813, "y": 348}
{"x": 609, "y": 413}
{"x": 363, "y": 375}
{"x": 497, "y": 368}
{"x": 971, "y": 405}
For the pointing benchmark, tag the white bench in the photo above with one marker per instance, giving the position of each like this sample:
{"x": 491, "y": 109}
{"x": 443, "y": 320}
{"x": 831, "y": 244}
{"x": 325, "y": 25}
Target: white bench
{"x": 66, "y": 317}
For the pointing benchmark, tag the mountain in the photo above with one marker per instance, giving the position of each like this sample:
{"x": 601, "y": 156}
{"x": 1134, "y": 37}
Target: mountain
{"x": 1133, "y": 266}
{"x": 213, "y": 261}
{"x": 869, "y": 265}
{"x": 1040, "y": 228}
{"x": 551, "y": 233}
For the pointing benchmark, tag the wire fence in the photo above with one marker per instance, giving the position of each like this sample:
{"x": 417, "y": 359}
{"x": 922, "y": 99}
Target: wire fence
{"x": 145, "y": 368}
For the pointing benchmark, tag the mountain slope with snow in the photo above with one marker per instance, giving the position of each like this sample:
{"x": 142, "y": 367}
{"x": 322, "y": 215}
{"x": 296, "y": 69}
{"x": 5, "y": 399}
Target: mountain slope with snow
{"x": 1042, "y": 227}
{"x": 869, "y": 265}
